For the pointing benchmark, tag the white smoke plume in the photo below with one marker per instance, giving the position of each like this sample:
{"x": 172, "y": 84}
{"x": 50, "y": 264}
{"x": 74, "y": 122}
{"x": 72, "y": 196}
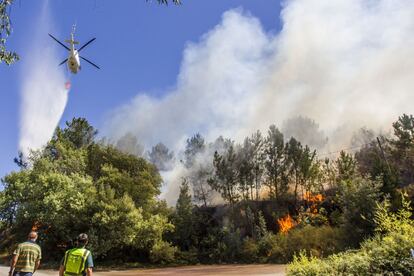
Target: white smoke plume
{"x": 345, "y": 64}
{"x": 43, "y": 93}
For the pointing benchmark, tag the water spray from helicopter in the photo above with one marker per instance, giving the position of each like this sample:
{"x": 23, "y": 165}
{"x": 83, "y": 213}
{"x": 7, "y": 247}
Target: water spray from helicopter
{"x": 43, "y": 92}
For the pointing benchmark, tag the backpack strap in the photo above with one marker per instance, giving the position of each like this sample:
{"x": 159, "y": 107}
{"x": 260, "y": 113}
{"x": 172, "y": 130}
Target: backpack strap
{"x": 84, "y": 258}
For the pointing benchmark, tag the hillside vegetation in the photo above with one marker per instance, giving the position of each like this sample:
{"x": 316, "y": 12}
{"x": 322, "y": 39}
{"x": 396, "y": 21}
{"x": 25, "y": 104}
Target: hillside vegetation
{"x": 279, "y": 200}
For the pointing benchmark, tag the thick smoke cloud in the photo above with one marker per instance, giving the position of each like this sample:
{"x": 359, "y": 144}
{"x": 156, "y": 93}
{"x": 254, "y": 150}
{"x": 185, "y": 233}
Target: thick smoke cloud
{"x": 219, "y": 78}
{"x": 345, "y": 64}
{"x": 43, "y": 94}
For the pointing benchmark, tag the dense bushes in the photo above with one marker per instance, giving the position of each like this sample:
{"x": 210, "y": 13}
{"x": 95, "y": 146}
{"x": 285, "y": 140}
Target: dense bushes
{"x": 229, "y": 239}
{"x": 280, "y": 248}
{"x": 388, "y": 253}
{"x": 357, "y": 197}
{"x": 162, "y": 252}
{"x": 78, "y": 185}
{"x": 227, "y": 246}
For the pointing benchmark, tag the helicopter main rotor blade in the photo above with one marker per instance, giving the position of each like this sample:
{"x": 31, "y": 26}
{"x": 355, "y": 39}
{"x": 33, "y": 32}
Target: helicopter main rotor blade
{"x": 86, "y": 44}
{"x": 63, "y": 62}
{"x": 90, "y": 62}
{"x": 59, "y": 42}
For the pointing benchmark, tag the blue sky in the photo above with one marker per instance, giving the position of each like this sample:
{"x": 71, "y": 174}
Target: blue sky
{"x": 139, "y": 47}
{"x": 222, "y": 67}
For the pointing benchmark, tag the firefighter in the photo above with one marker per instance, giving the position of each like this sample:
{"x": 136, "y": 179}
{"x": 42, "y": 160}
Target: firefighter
{"x": 77, "y": 261}
{"x": 26, "y": 257}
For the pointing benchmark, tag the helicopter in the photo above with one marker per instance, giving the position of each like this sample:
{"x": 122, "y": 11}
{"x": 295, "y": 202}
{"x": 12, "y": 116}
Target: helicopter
{"x": 73, "y": 60}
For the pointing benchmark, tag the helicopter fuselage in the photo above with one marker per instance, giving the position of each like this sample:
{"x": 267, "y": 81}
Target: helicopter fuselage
{"x": 73, "y": 61}
{"x": 73, "y": 58}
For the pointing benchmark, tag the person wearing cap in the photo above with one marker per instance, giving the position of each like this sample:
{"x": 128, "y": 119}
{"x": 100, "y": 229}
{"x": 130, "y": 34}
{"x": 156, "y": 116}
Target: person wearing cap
{"x": 26, "y": 257}
{"x": 77, "y": 261}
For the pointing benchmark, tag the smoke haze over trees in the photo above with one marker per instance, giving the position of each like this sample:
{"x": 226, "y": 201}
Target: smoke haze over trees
{"x": 324, "y": 66}
{"x": 273, "y": 192}
{"x": 316, "y": 80}
{"x": 265, "y": 140}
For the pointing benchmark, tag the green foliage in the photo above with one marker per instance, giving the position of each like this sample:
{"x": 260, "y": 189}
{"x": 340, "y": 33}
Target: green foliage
{"x": 346, "y": 166}
{"x": 125, "y": 173}
{"x": 402, "y": 148}
{"x": 250, "y": 250}
{"x": 6, "y": 56}
{"x": 294, "y": 155}
{"x": 303, "y": 166}
{"x": 221, "y": 245}
{"x": 195, "y": 145}
{"x": 257, "y": 148}
{"x": 276, "y": 163}
{"x": 260, "y": 229}
{"x": 281, "y": 248}
{"x": 78, "y": 132}
{"x": 357, "y": 198}
{"x": 309, "y": 170}
{"x": 388, "y": 253}
{"x": 199, "y": 180}
{"x": 183, "y": 219}
{"x": 271, "y": 248}
{"x": 404, "y": 131}
{"x": 162, "y": 252}
{"x": 226, "y": 175}
{"x": 76, "y": 185}
{"x": 115, "y": 219}
{"x": 245, "y": 173}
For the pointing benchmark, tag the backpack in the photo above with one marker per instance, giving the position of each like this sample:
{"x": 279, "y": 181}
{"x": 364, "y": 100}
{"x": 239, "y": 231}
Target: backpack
{"x": 75, "y": 260}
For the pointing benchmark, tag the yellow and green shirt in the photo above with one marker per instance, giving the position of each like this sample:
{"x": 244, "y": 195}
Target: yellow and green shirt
{"x": 27, "y": 255}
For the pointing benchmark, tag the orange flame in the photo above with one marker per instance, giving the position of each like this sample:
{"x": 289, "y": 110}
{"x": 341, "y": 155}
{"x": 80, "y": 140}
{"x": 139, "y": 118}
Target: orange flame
{"x": 286, "y": 223}
{"x": 313, "y": 198}
{"x": 36, "y": 225}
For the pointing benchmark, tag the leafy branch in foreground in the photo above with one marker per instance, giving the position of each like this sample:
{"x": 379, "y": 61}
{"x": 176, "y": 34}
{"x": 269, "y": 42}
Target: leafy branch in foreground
{"x": 8, "y": 57}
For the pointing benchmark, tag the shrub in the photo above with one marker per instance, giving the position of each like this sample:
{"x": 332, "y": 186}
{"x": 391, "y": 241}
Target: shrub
{"x": 250, "y": 250}
{"x": 281, "y": 248}
{"x": 187, "y": 257}
{"x": 221, "y": 245}
{"x": 357, "y": 198}
{"x": 325, "y": 240}
{"x": 162, "y": 252}
{"x": 388, "y": 253}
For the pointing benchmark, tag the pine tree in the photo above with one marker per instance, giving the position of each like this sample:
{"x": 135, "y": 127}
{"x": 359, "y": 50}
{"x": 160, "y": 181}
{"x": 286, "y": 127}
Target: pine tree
{"x": 275, "y": 162}
{"x": 184, "y": 218}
